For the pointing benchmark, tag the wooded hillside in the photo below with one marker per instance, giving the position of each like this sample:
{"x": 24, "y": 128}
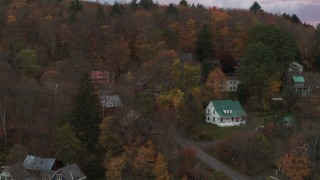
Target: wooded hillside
{"x": 46, "y": 47}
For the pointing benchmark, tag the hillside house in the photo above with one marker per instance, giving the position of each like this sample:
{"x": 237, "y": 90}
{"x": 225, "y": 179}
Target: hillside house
{"x": 295, "y": 67}
{"x": 110, "y": 103}
{"x": 69, "y": 172}
{"x": 100, "y": 77}
{"x": 225, "y": 113}
{"x": 231, "y": 84}
{"x": 298, "y": 82}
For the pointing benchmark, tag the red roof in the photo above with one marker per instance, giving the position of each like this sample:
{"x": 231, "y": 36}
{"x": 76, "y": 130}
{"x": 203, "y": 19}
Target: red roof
{"x": 99, "y": 74}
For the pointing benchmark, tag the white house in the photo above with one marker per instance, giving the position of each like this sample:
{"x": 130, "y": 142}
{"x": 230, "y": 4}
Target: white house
{"x": 225, "y": 113}
{"x": 295, "y": 67}
{"x": 231, "y": 84}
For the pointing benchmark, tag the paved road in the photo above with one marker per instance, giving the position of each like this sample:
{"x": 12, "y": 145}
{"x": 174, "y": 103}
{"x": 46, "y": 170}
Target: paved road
{"x": 209, "y": 160}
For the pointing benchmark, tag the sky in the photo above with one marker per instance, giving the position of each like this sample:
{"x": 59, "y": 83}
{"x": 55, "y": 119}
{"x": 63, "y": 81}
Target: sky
{"x": 307, "y": 10}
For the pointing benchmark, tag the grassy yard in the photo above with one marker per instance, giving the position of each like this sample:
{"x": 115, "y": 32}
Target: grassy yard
{"x": 206, "y": 131}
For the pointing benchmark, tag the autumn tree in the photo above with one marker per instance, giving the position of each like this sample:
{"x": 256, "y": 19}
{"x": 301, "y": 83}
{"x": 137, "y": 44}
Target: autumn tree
{"x": 245, "y": 149}
{"x": 296, "y": 163}
{"x": 87, "y": 113}
{"x": 188, "y": 37}
{"x": 67, "y": 143}
{"x": 115, "y": 167}
{"x": 144, "y": 160}
{"x": 160, "y": 169}
{"x": 216, "y": 81}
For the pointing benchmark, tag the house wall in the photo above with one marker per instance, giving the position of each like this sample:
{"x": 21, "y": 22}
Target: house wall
{"x": 211, "y": 115}
{"x": 5, "y": 175}
{"x": 231, "y": 86}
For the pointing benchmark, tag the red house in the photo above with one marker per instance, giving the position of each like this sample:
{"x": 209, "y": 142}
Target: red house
{"x": 101, "y": 77}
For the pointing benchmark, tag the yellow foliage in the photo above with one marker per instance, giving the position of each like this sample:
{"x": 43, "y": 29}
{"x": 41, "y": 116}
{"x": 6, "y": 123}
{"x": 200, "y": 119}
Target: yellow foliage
{"x": 160, "y": 170}
{"x": 11, "y": 19}
{"x": 115, "y": 167}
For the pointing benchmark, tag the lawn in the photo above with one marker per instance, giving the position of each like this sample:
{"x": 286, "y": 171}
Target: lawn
{"x": 206, "y": 131}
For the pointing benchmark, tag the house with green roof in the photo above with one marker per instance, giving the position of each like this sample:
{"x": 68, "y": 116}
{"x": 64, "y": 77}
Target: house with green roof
{"x": 298, "y": 82}
{"x": 225, "y": 113}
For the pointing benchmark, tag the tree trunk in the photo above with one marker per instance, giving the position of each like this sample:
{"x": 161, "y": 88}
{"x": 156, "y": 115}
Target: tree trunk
{"x": 3, "y": 117}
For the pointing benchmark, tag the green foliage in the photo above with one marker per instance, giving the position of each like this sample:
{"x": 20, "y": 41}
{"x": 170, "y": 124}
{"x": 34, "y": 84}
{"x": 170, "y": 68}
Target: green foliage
{"x": 184, "y": 3}
{"x": 204, "y": 48}
{"x": 146, "y": 4}
{"x": 117, "y": 8}
{"x": 87, "y": 113}
{"x": 67, "y": 143}
{"x": 255, "y": 7}
{"x": 133, "y": 4}
{"x": 109, "y": 138}
{"x": 75, "y": 6}
{"x": 257, "y": 67}
{"x": 146, "y": 99}
{"x": 172, "y": 9}
{"x": 281, "y": 43}
{"x": 17, "y": 154}
{"x": 100, "y": 13}
{"x": 206, "y": 68}
{"x": 28, "y": 62}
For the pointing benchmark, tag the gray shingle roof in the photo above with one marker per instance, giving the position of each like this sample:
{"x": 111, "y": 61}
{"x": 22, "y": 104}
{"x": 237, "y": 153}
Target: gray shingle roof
{"x": 37, "y": 163}
{"x": 110, "y": 101}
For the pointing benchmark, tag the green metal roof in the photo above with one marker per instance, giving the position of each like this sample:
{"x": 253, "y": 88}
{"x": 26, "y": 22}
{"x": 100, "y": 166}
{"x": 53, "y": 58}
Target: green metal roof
{"x": 298, "y": 79}
{"x": 223, "y": 108}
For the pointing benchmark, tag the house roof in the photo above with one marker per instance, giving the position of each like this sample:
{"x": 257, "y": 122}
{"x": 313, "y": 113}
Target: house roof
{"x": 110, "y": 101}
{"x": 297, "y": 64}
{"x": 99, "y": 74}
{"x": 228, "y": 108}
{"x": 37, "y": 163}
{"x": 298, "y": 79}
{"x": 71, "y": 172}
{"x": 17, "y": 171}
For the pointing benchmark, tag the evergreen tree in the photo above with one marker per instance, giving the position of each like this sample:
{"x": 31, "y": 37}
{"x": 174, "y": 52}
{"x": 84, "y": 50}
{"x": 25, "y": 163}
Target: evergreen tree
{"x": 100, "y": 13}
{"x": 295, "y": 19}
{"x": 67, "y": 143}
{"x": 184, "y": 3}
{"x": 87, "y": 113}
{"x": 75, "y": 5}
{"x": 146, "y": 4}
{"x": 206, "y": 68}
{"x": 204, "y": 48}
{"x": 255, "y": 7}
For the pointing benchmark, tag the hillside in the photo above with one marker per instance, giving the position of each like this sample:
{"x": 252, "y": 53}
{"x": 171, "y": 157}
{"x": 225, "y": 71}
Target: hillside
{"x": 48, "y": 50}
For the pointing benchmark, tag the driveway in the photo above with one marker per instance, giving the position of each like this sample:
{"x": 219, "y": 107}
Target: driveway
{"x": 209, "y": 160}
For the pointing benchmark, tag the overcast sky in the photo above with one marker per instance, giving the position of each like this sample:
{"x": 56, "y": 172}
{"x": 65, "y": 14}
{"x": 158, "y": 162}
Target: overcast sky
{"x": 307, "y": 10}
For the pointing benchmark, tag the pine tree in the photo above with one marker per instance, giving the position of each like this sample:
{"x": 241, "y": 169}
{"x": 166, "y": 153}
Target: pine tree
{"x": 204, "y": 48}
{"x": 87, "y": 113}
{"x": 255, "y": 7}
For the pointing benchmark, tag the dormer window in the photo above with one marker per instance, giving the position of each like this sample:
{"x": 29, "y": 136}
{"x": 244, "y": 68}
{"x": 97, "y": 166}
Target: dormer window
{"x": 227, "y": 111}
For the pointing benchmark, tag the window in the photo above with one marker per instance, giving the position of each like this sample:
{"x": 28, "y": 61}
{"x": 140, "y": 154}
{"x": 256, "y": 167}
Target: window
{"x": 214, "y": 111}
{"x": 208, "y": 111}
{"x": 214, "y": 118}
{"x": 230, "y": 88}
{"x": 59, "y": 177}
{"x": 208, "y": 118}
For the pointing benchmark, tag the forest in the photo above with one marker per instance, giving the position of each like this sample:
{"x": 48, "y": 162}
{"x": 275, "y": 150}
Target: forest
{"x": 50, "y": 106}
